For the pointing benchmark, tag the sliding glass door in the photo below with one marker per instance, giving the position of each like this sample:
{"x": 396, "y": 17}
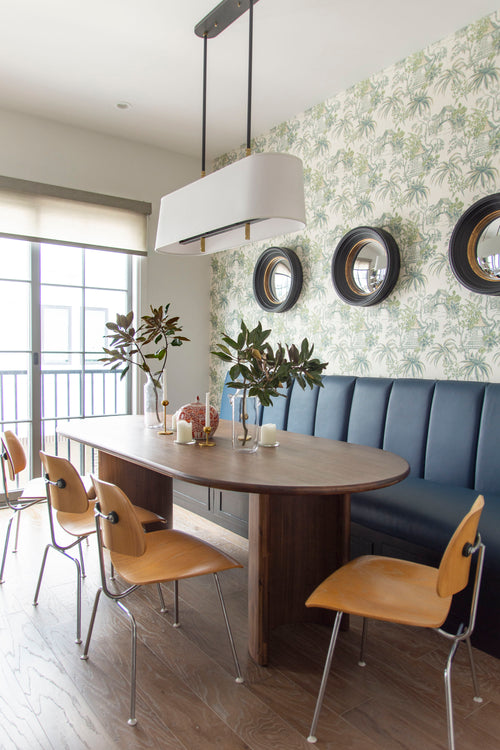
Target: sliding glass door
{"x": 54, "y": 303}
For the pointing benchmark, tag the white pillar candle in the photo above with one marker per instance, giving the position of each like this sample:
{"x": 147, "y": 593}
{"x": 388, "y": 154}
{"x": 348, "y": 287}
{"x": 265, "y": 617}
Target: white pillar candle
{"x": 207, "y": 410}
{"x": 184, "y": 431}
{"x": 174, "y": 421}
{"x": 268, "y": 434}
{"x": 164, "y": 383}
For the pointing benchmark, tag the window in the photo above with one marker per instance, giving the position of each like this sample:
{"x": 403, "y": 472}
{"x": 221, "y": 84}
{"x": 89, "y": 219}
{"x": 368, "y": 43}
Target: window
{"x": 54, "y": 303}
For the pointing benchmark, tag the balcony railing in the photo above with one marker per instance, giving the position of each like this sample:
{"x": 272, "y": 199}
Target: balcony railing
{"x": 65, "y": 394}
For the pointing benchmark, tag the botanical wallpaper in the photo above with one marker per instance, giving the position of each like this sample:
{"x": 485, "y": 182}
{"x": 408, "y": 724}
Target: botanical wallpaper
{"x": 409, "y": 150}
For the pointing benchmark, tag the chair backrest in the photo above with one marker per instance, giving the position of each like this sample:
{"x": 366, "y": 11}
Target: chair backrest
{"x": 455, "y": 564}
{"x": 70, "y": 498}
{"x": 13, "y": 453}
{"x": 125, "y": 536}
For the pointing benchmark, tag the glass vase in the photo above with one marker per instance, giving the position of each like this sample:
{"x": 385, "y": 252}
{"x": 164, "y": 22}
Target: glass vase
{"x": 152, "y": 405}
{"x": 246, "y": 413}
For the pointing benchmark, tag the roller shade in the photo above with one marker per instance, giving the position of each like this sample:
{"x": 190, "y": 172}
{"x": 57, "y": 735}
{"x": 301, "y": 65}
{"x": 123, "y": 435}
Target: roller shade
{"x": 47, "y": 213}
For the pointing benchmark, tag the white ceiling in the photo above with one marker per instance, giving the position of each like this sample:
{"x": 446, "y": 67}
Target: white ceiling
{"x": 74, "y": 61}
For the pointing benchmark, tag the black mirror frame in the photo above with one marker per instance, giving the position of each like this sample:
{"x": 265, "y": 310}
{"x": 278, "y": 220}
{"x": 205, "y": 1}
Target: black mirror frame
{"x": 343, "y": 259}
{"x": 462, "y": 251}
{"x": 261, "y": 275}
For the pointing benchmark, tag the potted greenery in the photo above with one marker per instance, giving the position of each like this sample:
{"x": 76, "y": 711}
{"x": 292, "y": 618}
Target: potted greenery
{"x": 129, "y": 346}
{"x": 257, "y": 370}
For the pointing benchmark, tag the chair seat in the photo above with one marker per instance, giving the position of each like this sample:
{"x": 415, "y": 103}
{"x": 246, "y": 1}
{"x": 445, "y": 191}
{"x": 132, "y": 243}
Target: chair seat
{"x": 34, "y": 490}
{"x": 171, "y": 555}
{"x": 383, "y": 588}
{"x": 78, "y": 524}
{"x": 89, "y": 487}
{"x": 146, "y": 516}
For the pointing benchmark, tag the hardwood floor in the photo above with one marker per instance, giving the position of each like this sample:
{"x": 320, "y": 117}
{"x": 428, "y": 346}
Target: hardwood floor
{"x": 186, "y": 695}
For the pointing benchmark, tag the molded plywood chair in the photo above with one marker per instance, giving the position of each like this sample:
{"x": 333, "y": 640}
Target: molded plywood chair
{"x": 161, "y": 556}
{"x": 392, "y": 590}
{"x": 13, "y": 460}
{"x": 73, "y": 500}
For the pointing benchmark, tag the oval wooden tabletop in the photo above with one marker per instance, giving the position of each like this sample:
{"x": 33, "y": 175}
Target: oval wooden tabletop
{"x": 301, "y": 464}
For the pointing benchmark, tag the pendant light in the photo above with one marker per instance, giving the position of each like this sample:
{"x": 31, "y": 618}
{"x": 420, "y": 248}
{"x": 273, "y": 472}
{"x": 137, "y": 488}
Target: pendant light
{"x": 255, "y": 198}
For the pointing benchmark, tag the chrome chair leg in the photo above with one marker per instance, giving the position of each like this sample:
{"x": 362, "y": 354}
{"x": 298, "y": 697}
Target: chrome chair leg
{"x": 82, "y": 562}
{"x": 239, "y": 677}
{"x": 16, "y": 538}
{"x": 85, "y": 654}
{"x": 163, "y": 608}
{"x": 5, "y": 548}
{"x": 361, "y": 661}
{"x": 133, "y": 669}
{"x": 449, "y": 699}
{"x": 40, "y": 575}
{"x": 312, "y": 738}
{"x": 176, "y": 623}
{"x": 78, "y": 587}
{"x": 78, "y": 599}
{"x": 477, "y": 696}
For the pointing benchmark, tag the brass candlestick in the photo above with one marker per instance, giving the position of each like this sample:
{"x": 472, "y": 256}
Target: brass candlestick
{"x": 165, "y": 431}
{"x": 207, "y": 443}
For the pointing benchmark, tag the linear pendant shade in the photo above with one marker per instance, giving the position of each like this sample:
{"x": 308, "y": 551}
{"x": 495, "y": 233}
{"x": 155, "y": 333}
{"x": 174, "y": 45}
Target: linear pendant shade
{"x": 265, "y": 190}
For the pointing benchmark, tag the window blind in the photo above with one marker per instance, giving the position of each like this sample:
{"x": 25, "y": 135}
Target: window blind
{"x": 47, "y": 213}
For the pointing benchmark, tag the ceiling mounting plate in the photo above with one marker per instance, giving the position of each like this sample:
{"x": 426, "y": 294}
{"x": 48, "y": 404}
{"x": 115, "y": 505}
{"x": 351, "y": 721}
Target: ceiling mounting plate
{"x": 221, "y": 17}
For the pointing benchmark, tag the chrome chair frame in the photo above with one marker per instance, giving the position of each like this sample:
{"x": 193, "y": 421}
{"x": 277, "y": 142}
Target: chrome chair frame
{"x": 63, "y": 550}
{"x": 16, "y": 506}
{"x": 462, "y": 634}
{"x": 112, "y": 518}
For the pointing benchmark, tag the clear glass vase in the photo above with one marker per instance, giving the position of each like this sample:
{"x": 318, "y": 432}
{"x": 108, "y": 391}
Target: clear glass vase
{"x": 246, "y": 413}
{"x": 152, "y": 405}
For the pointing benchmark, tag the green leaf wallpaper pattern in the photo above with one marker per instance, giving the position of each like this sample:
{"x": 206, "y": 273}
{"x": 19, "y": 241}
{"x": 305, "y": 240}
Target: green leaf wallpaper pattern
{"x": 407, "y": 150}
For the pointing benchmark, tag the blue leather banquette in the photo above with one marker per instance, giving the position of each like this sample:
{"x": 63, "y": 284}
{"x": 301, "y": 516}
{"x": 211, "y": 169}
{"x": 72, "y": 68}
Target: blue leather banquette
{"x": 448, "y": 431}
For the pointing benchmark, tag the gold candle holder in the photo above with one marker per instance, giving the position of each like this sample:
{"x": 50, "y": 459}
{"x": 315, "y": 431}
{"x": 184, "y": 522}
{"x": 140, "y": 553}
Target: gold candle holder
{"x": 207, "y": 443}
{"x": 165, "y": 431}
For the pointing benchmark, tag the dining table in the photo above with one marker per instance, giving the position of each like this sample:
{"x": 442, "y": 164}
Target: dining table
{"x": 299, "y": 501}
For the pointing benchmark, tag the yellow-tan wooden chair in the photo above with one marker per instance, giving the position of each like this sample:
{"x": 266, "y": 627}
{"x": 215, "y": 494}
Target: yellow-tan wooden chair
{"x": 141, "y": 559}
{"x": 73, "y": 498}
{"x": 383, "y": 588}
{"x": 13, "y": 460}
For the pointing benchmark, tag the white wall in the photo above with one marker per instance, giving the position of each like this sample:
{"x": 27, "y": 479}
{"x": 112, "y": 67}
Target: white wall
{"x": 45, "y": 151}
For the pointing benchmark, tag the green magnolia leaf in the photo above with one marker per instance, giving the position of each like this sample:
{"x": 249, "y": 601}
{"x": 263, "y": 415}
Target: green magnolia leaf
{"x": 230, "y": 342}
{"x": 223, "y": 356}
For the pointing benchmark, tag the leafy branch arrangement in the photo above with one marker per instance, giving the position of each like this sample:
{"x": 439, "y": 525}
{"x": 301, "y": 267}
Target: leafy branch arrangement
{"x": 129, "y": 345}
{"x": 259, "y": 370}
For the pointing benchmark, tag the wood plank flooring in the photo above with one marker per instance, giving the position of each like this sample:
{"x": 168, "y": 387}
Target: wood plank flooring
{"x": 187, "y": 698}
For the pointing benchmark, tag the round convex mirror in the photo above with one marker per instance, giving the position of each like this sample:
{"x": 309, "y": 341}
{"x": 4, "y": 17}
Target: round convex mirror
{"x": 488, "y": 250}
{"x": 365, "y": 266}
{"x": 369, "y": 267}
{"x": 474, "y": 250}
{"x": 277, "y": 279}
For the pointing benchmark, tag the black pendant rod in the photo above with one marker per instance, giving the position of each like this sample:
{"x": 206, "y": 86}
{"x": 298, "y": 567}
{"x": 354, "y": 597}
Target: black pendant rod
{"x": 204, "y": 109}
{"x": 250, "y": 55}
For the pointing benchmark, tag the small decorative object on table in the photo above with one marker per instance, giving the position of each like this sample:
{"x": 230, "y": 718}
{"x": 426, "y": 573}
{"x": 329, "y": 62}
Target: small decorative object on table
{"x": 257, "y": 370}
{"x": 184, "y": 432}
{"x": 196, "y": 413}
{"x": 268, "y": 436}
{"x": 130, "y": 346}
